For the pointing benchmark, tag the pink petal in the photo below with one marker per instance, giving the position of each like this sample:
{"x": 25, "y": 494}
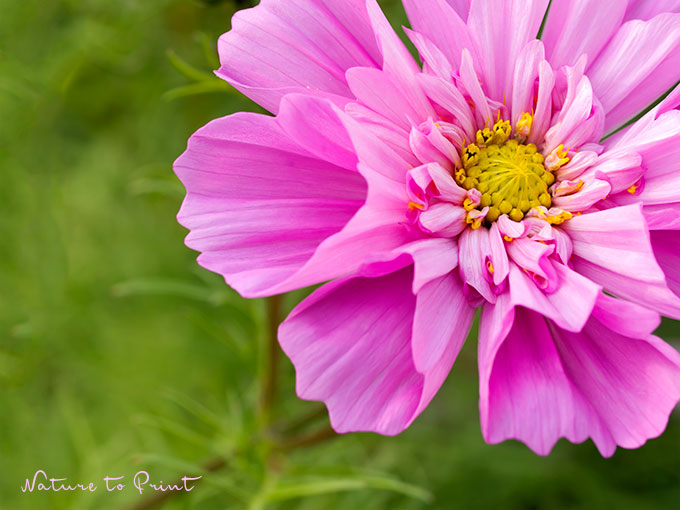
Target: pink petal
{"x": 398, "y": 64}
{"x": 525, "y": 75}
{"x": 657, "y": 140}
{"x": 569, "y": 305}
{"x": 442, "y": 25}
{"x": 442, "y": 321}
{"x": 462, "y": 7}
{"x": 435, "y": 62}
{"x": 258, "y": 204}
{"x": 443, "y": 219}
{"x": 383, "y": 130}
{"x": 284, "y": 46}
{"x": 647, "y": 9}
{"x": 381, "y": 93}
{"x": 666, "y": 246}
{"x": 532, "y": 257}
{"x": 568, "y": 30}
{"x": 632, "y": 382}
{"x": 543, "y": 112}
{"x": 445, "y": 94}
{"x": 663, "y": 217}
{"x": 524, "y": 391}
{"x": 350, "y": 343}
{"x": 622, "y": 168}
{"x": 637, "y": 66}
{"x": 580, "y": 120}
{"x": 613, "y": 382}
{"x": 612, "y": 248}
{"x": 501, "y": 29}
{"x": 594, "y": 190}
{"x": 316, "y": 125}
{"x": 473, "y": 255}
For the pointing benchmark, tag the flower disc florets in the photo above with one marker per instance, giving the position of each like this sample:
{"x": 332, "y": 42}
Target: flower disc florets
{"x": 510, "y": 175}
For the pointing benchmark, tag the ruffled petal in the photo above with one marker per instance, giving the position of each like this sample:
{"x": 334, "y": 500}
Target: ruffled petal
{"x": 524, "y": 391}
{"x": 613, "y": 381}
{"x": 569, "y": 305}
{"x": 630, "y": 378}
{"x": 284, "y": 46}
{"x": 350, "y": 343}
{"x": 612, "y": 248}
{"x": 258, "y": 204}
{"x": 638, "y": 65}
{"x": 568, "y": 31}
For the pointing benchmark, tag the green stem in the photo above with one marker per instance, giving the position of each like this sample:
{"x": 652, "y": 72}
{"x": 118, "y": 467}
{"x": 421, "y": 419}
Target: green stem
{"x": 270, "y": 374}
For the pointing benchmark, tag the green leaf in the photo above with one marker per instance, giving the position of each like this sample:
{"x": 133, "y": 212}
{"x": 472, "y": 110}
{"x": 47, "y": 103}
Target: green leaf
{"x": 185, "y": 468}
{"x": 187, "y": 69}
{"x": 317, "y": 486}
{"x": 168, "y": 287}
{"x": 203, "y": 87}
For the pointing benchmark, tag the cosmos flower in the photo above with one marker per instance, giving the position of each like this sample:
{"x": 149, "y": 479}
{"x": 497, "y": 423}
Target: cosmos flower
{"x": 500, "y": 174}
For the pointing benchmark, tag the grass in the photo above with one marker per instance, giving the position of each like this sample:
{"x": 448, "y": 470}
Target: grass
{"x": 117, "y": 353}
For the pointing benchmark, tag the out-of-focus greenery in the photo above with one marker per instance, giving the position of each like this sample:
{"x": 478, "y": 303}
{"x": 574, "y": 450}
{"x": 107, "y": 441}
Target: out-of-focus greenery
{"x": 117, "y": 353}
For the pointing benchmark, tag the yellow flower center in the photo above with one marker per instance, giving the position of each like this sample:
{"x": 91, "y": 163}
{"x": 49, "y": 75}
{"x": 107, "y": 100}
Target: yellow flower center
{"x": 511, "y": 176}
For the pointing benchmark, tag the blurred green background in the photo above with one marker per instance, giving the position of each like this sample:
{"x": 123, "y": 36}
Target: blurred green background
{"x": 118, "y": 353}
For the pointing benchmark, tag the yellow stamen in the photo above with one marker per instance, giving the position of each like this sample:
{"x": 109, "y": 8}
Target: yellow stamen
{"x": 632, "y": 190}
{"x": 557, "y": 159}
{"x": 460, "y": 176}
{"x": 509, "y": 239}
{"x": 474, "y": 218}
{"x": 484, "y": 137}
{"x": 412, "y": 206}
{"x": 468, "y": 204}
{"x": 501, "y": 131}
{"x": 470, "y": 155}
{"x": 524, "y": 125}
{"x": 489, "y": 266}
{"x": 559, "y": 218}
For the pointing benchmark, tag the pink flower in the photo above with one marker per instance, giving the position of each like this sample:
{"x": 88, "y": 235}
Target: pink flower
{"x": 483, "y": 178}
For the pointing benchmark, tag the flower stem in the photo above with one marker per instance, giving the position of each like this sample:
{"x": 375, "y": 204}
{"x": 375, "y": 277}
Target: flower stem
{"x": 270, "y": 374}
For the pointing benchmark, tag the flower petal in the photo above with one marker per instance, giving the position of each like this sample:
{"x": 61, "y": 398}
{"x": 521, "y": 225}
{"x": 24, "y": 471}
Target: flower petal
{"x": 666, "y": 246}
{"x": 350, "y": 343}
{"x": 612, "y": 248}
{"x": 568, "y": 31}
{"x": 284, "y": 46}
{"x": 258, "y": 204}
{"x": 442, "y": 321}
{"x": 317, "y": 126}
{"x": 440, "y": 23}
{"x": 398, "y": 64}
{"x": 613, "y": 381}
{"x": 630, "y": 379}
{"x": 637, "y": 66}
{"x": 569, "y": 305}
{"x": 524, "y": 392}
{"x": 647, "y": 9}
{"x": 462, "y": 7}
{"x": 501, "y": 29}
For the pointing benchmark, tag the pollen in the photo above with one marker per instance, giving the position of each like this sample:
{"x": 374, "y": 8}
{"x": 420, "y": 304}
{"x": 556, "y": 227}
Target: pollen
{"x": 511, "y": 176}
